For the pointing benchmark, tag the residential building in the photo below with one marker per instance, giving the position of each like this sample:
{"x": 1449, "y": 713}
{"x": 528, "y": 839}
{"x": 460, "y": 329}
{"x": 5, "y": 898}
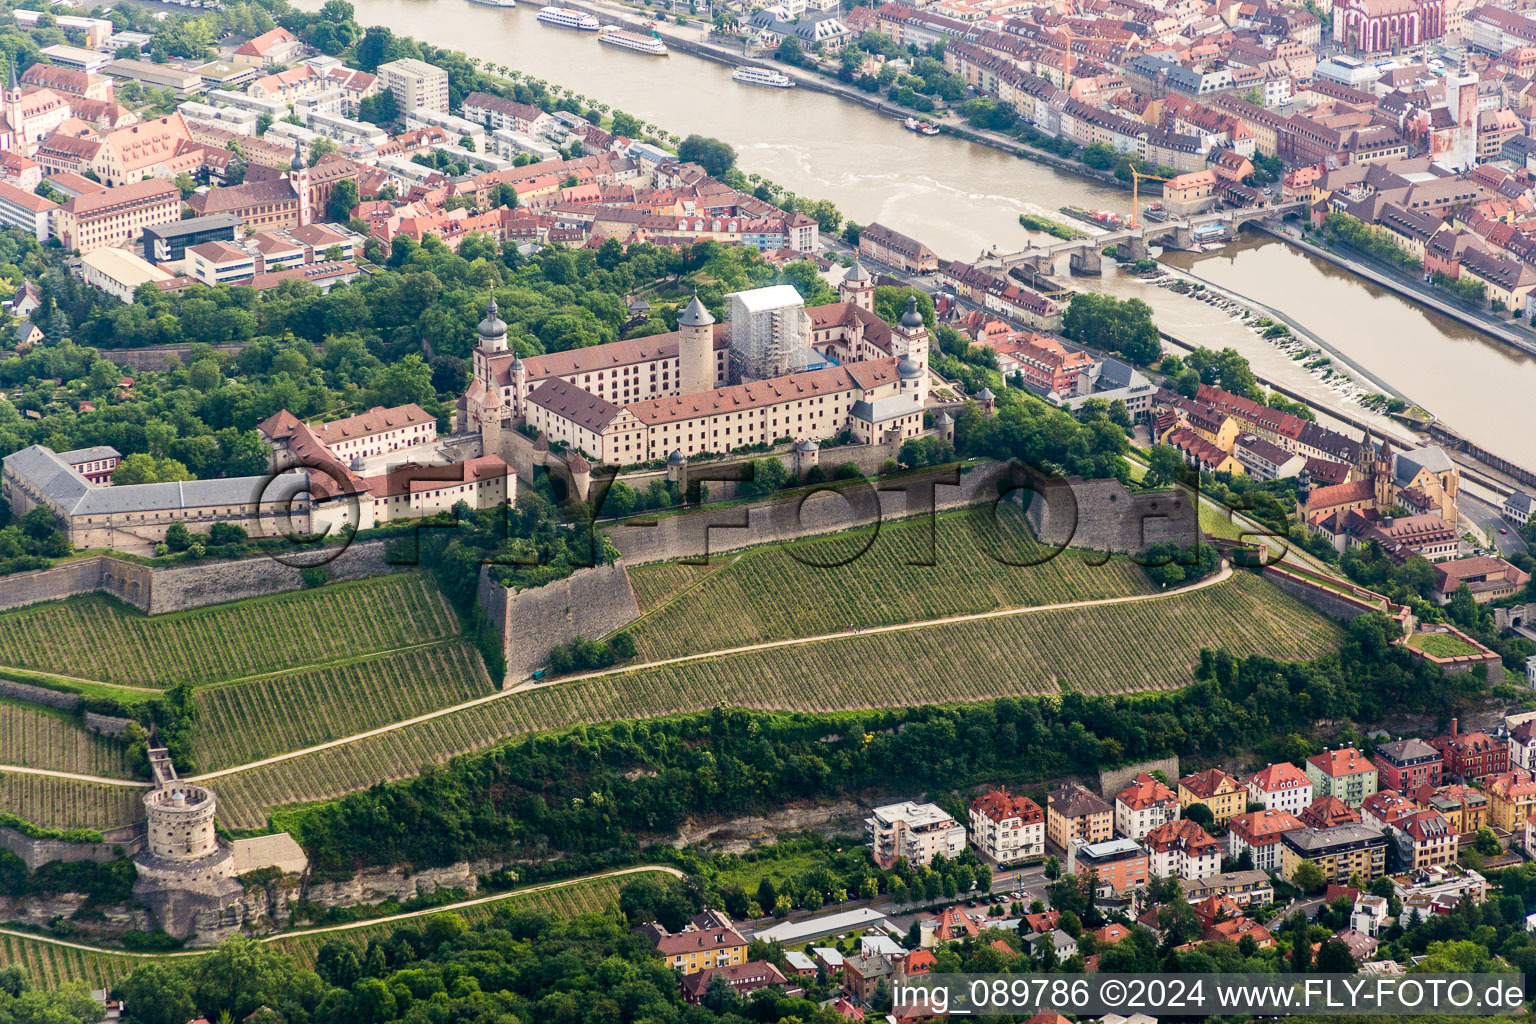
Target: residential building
{"x": 1345, "y": 773}
{"x": 116, "y": 216}
{"x": 1519, "y": 508}
{"x": 1144, "y": 805}
{"x": 878, "y": 242}
{"x": 1522, "y": 745}
{"x": 1329, "y": 811}
{"x": 1407, "y": 765}
{"x": 914, "y": 831}
{"x": 1245, "y": 888}
{"x": 1183, "y": 849}
{"x": 1511, "y": 799}
{"x": 1426, "y": 839}
{"x": 1007, "y": 828}
{"x": 707, "y": 941}
{"x": 415, "y": 84}
{"x": 1122, "y": 865}
{"x": 1341, "y": 852}
{"x": 1259, "y": 833}
{"x": 1472, "y": 755}
{"x": 744, "y": 979}
{"x": 1075, "y": 812}
{"x": 375, "y": 432}
{"x": 1281, "y": 787}
{"x": 1385, "y": 808}
{"x": 1219, "y": 792}
{"x": 1265, "y": 460}
{"x": 278, "y": 46}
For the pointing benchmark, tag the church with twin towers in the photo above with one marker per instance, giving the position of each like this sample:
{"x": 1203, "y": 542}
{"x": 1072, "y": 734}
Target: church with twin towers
{"x": 777, "y": 370}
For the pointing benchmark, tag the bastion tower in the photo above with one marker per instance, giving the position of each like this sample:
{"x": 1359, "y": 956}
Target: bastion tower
{"x": 186, "y": 874}
{"x": 695, "y": 349}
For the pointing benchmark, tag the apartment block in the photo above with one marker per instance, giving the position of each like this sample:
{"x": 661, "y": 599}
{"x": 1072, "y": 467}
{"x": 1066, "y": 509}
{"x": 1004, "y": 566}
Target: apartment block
{"x": 1341, "y": 852}
{"x": 1144, "y": 805}
{"x": 1345, "y": 774}
{"x": 914, "y": 831}
{"x": 1007, "y": 828}
{"x": 1074, "y": 812}
{"x": 415, "y": 84}
{"x": 1281, "y": 787}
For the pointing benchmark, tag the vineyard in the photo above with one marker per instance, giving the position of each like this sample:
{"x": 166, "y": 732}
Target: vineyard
{"x": 242, "y": 722}
{"x": 65, "y": 803}
{"x": 36, "y": 737}
{"x": 51, "y": 965}
{"x": 772, "y": 593}
{"x": 97, "y": 638}
{"x": 1117, "y": 648}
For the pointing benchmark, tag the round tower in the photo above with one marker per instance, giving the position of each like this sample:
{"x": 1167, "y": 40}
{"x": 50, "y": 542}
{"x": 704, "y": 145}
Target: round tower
{"x": 695, "y": 349}
{"x": 914, "y": 380}
{"x": 986, "y": 399}
{"x": 946, "y": 425}
{"x": 857, "y": 287}
{"x": 181, "y": 822}
{"x": 807, "y": 454}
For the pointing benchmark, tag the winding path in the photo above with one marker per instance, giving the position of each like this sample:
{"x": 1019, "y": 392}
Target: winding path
{"x": 1215, "y": 579}
{"x": 350, "y": 925}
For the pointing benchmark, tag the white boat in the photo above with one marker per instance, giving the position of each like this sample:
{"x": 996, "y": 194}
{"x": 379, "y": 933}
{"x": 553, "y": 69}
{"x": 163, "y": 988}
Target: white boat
{"x": 495, "y": 3}
{"x": 564, "y": 17}
{"x": 615, "y": 36}
{"x": 762, "y": 76}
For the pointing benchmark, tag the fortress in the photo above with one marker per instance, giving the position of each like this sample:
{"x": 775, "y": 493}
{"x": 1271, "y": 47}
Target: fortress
{"x": 778, "y": 370}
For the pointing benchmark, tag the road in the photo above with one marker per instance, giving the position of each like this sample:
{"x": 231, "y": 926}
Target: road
{"x": 350, "y": 925}
{"x": 1488, "y": 520}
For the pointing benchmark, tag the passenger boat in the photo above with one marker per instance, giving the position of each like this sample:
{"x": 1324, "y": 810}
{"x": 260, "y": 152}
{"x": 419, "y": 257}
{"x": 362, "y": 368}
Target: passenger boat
{"x": 564, "y": 17}
{"x": 615, "y": 36}
{"x": 495, "y": 3}
{"x": 762, "y": 76}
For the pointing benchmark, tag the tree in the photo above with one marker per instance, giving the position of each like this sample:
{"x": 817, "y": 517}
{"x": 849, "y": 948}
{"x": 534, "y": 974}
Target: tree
{"x": 319, "y": 148}
{"x": 719, "y": 996}
{"x": 1164, "y": 465}
{"x": 1201, "y": 815}
{"x": 342, "y": 201}
{"x": 1123, "y": 326}
{"x": 1052, "y": 868}
{"x": 1334, "y": 958}
{"x": 714, "y": 156}
{"x": 1309, "y": 878}
{"x": 1486, "y": 842}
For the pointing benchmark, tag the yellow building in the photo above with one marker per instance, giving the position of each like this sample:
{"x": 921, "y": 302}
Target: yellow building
{"x": 1341, "y": 852}
{"x": 709, "y": 940}
{"x": 1464, "y": 807}
{"x": 1074, "y": 812}
{"x": 1219, "y": 792}
{"x": 1511, "y": 799}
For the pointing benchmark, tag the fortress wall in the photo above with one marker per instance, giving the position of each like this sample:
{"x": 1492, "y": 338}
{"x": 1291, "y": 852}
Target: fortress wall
{"x": 591, "y": 603}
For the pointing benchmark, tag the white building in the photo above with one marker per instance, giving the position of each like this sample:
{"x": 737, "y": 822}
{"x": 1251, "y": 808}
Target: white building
{"x": 1007, "y": 828}
{"x": 914, "y": 831}
{"x": 458, "y": 128}
{"x": 1184, "y": 850}
{"x": 770, "y": 332}
{"x": 20, "y": 208}
{"x": 1144, "y": 805}
{"x": 1519, "y": 508}
{"x": 415, "y": 83}
{"x": 1281, "y": 787}
{"x": 347, "y": 131}
{"x": 118, "y": 272}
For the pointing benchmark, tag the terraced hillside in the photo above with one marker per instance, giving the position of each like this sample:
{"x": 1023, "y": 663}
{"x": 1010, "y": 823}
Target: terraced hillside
{"x": 52, "y": 802}
{"x": 96, "y": 638}
{"x": 251, "y": 719}
{"x": 38, "y": 737}
{"x": 961, "y": 563}
{"x": 1143, "y": 643}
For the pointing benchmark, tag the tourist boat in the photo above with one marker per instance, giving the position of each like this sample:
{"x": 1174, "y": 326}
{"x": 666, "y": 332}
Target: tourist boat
{"x": 564, "y": 17}
{"x": 762, "y": 76}
{"x": 615, "y": 36}
{"x": 495, "y": 3}
{"x": 912, "y": 124}
{"x": 928, "y": 128}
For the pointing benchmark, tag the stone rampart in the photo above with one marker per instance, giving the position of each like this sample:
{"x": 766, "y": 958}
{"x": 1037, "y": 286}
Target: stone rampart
{"x": 590, "y": 602}
{"x": 180, "y": 587}
{"x": 1101, "y": 515}
{"x": 1333, "y": 602}
{"x": 38, "y": 695}
{"x": 118, "y": 842}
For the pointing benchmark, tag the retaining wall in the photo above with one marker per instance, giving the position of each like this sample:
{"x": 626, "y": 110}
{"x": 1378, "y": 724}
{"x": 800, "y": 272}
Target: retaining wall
{"x": 590, "y": 602}
{"x": 38, "y": 695}
{"x": 1101, "y": 515}
{"x": 1332, "y": 603}
{"x": 1113, "y": 780}
{"x": 118, "y": 842}
{"x": 177, "y": 588}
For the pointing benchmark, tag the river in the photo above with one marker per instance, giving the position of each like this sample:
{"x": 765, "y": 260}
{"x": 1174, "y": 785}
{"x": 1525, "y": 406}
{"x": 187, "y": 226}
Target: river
{"x": 960, "y": 197}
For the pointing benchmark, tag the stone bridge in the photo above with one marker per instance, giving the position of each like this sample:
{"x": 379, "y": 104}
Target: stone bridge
{"x": 1085, "y": 254}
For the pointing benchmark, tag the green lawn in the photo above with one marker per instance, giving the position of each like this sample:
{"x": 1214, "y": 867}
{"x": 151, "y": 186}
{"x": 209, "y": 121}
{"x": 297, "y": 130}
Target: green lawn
{"x": 1442, "y": 645}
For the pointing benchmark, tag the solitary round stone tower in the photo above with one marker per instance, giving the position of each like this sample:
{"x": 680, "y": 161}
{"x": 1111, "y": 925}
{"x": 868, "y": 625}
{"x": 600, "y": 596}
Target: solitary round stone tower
{"x": 695, "y": 349}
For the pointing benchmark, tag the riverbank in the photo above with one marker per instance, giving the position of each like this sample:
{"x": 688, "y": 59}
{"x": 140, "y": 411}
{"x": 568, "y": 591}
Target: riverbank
{"x": 1411, "y": 290}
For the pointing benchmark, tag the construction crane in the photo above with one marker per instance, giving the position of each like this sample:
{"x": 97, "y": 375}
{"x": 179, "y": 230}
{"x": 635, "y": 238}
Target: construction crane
{"x": 1136, "y": 177}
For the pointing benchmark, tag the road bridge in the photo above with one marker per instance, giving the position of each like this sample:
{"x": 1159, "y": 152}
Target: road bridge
{"x": 1085, "y": 254}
